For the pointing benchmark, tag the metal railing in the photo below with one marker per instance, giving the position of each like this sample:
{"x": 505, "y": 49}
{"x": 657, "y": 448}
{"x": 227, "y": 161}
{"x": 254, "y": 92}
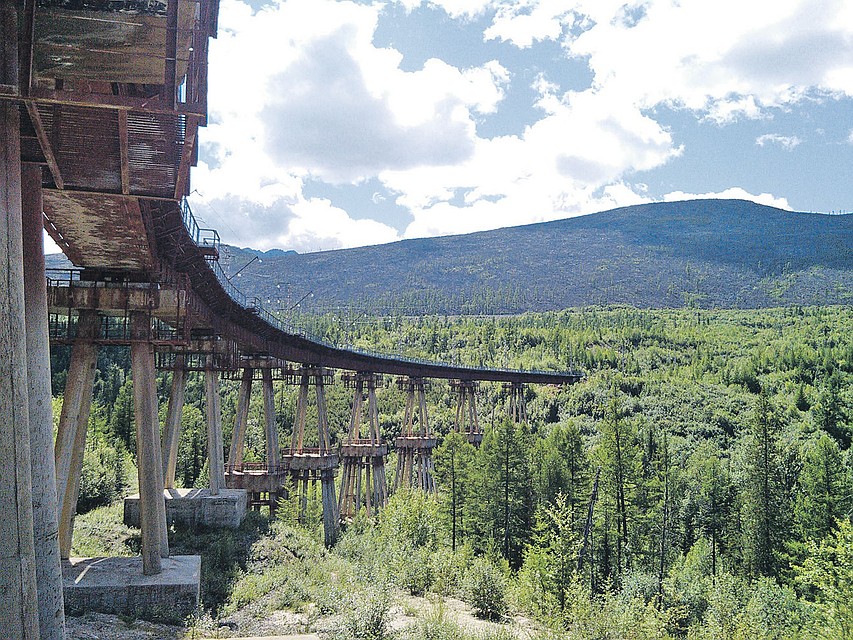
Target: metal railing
{"x": 205, "y": 238}
{"x": 255, "y": 306}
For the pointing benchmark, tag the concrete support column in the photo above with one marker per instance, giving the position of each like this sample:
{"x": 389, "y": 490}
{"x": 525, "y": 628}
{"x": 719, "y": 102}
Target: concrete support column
{"x": 18, "y": 594}
{"x": 241, "y": 420}
{"x": 73, "y": 423}
{"x": 45, "y": 519}
{"x": 172, "y": 431}
{"x": 215, "y": 454}
{"x": 152, "y": 505}
{"x": 270, "y": 427}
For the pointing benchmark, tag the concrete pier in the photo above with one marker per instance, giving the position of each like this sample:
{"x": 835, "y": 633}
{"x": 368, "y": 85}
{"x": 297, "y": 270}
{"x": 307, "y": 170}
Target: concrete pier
{"x": 73, "y": 422}
{"x": 196, "y": 507}
{"x": 216, "y": 464}
{"x": 19, "y": 609}
{"x": 241, "y": 419}
{"x": 172, "y": 431}
{"x": 155, "y": 542}
{"x": 119, "y": 586}
{"x": 45, "y": 519}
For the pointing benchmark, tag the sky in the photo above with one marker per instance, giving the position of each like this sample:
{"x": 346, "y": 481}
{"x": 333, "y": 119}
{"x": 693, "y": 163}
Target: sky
{"x": 340, "y": 123}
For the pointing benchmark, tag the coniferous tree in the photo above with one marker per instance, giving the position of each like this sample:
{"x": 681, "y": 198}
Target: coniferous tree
{"x": 453, "y": 469}
{"x": 618, "y": 452}
{"x": 761, "y": 516}
{"x": 560, "y": 466}
{"x": 711, "y": 497}
{"x": 830, "y": 413}
{"x": 502, "y": 512}
{"x": 825, "y": 489}
{"x": 121, "y": 420}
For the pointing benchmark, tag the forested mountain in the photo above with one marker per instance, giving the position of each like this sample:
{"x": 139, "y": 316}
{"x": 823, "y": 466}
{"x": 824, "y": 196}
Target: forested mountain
{"x": 699, "y": 253}
{"x": 704, "y": 253}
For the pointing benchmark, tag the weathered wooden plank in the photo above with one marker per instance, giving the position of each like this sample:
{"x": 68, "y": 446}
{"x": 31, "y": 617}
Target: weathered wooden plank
{"x": 123, "y": 144}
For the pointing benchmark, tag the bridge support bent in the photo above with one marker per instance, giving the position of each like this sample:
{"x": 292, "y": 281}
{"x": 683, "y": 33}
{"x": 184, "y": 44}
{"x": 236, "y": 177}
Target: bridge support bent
{"x": 241, "y": 420}
{"x": 467, "y": 421}
{"x": 415, "y": 444}
{"x": 270, "y": 427}
{"x": 307, "y": 466}
{"x": 216, "y": 464}
{"x": 517, "y": 404}
{"x": 363, "y": 458}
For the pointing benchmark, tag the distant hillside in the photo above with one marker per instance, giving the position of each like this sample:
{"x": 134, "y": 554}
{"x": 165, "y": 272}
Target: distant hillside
{"x": 706, "y": 253}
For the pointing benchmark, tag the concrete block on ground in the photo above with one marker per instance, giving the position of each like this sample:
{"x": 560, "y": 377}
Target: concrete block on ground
{"x": 193, "y": 507}
{"x": 117, "y": 586}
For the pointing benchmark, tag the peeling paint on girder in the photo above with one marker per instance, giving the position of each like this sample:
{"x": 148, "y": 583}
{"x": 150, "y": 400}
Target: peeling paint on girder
{"x": 105, "y": 231}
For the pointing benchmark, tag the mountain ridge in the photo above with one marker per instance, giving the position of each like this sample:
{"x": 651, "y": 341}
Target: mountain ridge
{"x": 702, "y": 253}
{"x": 707, "y": 253}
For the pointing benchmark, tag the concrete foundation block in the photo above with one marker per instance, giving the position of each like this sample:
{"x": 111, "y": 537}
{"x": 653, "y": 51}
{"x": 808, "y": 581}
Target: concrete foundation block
{"x": 194, "y": 507}
{"x": 117, "y": 586}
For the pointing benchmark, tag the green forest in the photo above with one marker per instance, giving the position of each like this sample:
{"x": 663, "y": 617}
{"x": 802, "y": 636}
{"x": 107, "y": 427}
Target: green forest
{"x": 697, "y": 483}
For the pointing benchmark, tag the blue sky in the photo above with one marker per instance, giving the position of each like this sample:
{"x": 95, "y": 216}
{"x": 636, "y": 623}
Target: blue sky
{"x": 338, "y": 124}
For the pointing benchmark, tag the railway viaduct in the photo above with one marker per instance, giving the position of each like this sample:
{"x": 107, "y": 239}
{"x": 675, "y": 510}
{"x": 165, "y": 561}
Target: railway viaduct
{"x": 100, "y": 107}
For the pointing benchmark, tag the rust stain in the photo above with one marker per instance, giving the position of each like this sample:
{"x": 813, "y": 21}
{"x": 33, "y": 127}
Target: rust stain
{"x": 112, "y": 46}
{"x": 105, "y": 231}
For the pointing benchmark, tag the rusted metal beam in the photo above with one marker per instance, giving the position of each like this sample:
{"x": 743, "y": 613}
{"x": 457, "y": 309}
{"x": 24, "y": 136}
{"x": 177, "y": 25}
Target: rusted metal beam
{"x": 108, "y": 101}
{"x": 44, "y": 142}
{"x": 187, "y": 155}
{"x": 123, "y": 144}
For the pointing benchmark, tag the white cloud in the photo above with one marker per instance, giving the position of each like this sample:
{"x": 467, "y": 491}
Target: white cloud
{"x": 724, "y": 59}
{"x": 734, "y": 193}
{"x": 460, "y": 8}
{"x": 528, "y": 21}
{"x": 49, "y": 245}
{"x": 787, "y": 142}
{"x": 850, "y": 137}
{"x": 326, "y": 102}
{"x": 572, "y": 160}
{"x": 299, "y": 90}
{"x": 311, "y": 224}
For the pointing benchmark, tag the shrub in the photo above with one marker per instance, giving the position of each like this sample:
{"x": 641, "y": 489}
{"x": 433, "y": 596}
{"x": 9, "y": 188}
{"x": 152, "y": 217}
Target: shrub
{"x": 448, "y": 569}
{"x": 367, "y": 617}
{"x": 104, "y": 477}
{"x": 435, "y": 625}
{"x": 413, "y": 571}
{"x": 484, "y": 588}
{"x": 411, "y": 519}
